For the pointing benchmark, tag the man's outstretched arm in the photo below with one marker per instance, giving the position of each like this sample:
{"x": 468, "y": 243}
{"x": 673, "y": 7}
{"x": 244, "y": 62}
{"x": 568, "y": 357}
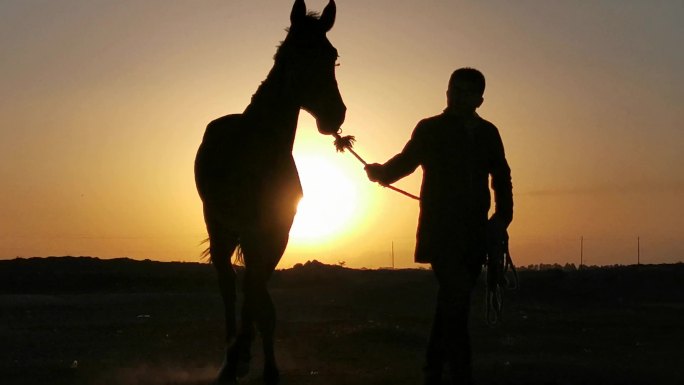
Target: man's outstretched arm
{"x": 399, "y": 166}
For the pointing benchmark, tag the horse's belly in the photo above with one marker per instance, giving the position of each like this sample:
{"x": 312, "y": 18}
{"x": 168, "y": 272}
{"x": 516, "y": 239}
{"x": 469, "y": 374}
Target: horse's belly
{"x": 244, "y": 179}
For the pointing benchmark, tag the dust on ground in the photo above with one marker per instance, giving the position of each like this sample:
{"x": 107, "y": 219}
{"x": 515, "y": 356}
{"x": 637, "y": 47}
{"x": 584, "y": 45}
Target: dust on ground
{"x": 127, "y": 322}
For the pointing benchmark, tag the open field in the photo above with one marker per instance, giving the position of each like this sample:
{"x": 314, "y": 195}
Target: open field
{"x": 89, "y": 321}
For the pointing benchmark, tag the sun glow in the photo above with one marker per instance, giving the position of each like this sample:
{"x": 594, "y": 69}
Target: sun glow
{"x": 330, "y": 203}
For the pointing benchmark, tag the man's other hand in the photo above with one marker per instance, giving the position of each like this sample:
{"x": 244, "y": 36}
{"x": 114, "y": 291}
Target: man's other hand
{"x": 496, "y": 229}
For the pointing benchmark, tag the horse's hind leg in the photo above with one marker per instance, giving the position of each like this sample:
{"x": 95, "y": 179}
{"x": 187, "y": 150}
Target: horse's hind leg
{"x": 239, "y": 354}
{"x": 258, "y": 304}
{"x": 222, "y": 244}
{"x": 262, "y": 254}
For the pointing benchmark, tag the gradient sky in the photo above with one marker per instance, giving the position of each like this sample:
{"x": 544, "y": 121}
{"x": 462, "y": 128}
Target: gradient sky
{"x": 104, "y": 103}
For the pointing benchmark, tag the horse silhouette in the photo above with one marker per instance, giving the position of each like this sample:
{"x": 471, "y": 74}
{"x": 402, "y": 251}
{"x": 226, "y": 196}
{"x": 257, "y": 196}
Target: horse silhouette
{"x": 249, "y": 185}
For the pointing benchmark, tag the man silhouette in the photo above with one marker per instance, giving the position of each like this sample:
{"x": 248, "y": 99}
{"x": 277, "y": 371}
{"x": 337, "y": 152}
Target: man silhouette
{"x": 458, "y": 151}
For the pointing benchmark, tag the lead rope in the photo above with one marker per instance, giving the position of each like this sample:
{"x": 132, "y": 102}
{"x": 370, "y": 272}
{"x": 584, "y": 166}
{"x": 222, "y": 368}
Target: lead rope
{"x": 343, "y": 143}
{"x": 499, "y": 263}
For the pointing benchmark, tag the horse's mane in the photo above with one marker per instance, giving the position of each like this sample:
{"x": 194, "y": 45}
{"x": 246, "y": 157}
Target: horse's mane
{"x": 311, "y": 19}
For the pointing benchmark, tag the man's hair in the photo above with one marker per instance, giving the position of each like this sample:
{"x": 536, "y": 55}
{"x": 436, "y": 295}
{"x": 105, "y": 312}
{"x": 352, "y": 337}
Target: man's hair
{"x": 470, "y": 75}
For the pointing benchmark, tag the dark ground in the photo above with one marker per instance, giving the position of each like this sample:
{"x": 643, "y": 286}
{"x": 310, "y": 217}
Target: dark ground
{"x": 88, "y": 321}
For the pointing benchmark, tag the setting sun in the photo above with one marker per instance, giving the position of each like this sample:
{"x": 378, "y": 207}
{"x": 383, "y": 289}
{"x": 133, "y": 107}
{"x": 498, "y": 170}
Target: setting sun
{"x": 330, "y": 203}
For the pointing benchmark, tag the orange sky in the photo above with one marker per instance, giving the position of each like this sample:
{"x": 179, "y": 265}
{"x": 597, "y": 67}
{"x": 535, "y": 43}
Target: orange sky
{"x": 104, "y": 104}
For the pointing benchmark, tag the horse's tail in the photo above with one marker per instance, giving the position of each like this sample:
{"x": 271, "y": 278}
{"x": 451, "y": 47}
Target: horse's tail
{"x": 239, "y": 256}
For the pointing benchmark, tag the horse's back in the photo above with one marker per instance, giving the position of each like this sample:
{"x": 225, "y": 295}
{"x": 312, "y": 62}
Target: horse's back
{"x": 217, "y": 156}
{"x": 221, "y": 138}
{"x": 220, "y": 134}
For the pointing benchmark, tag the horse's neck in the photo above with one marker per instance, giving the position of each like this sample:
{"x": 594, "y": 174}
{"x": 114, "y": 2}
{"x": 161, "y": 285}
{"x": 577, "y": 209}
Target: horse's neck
{"x": 273, "y": 111}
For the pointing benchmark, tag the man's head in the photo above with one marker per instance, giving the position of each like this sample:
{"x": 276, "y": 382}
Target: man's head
{"x": 466, "y": 88}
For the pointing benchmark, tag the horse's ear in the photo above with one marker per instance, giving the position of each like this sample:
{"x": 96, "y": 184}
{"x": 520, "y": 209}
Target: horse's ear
{"x": 328, "y": 16}
{"x": 298, "y": 12}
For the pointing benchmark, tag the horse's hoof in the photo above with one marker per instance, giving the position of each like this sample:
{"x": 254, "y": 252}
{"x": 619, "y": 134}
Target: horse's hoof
{"x": 241, "y": 367}
{"x": 225, "y": 379}
{"x": 271, "y": 375}
{"x": 235, "y": 363}
{"x": 225, "y": 382}
{"x": 238, "y": 358}
{"x": 230, "y": 372}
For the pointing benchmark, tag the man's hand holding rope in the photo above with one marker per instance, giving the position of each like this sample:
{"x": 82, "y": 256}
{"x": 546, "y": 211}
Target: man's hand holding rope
{"x": 373, "y": 170}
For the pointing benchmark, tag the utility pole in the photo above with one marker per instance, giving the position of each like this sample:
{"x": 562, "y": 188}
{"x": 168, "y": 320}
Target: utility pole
{"x": 581, "y": 251}
{"x": 392, "y": 255}
{"x": 638, "y": 251}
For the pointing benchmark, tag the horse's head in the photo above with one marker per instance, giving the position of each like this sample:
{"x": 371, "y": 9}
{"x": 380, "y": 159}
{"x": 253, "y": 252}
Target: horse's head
{"x": 310, "y": 61}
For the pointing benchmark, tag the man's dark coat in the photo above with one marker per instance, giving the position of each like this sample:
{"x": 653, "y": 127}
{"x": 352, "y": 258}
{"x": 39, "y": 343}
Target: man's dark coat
{"x": 458, "y": 156}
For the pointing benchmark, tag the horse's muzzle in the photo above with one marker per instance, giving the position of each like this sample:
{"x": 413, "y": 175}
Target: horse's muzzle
{"x": 332, "y": 121}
